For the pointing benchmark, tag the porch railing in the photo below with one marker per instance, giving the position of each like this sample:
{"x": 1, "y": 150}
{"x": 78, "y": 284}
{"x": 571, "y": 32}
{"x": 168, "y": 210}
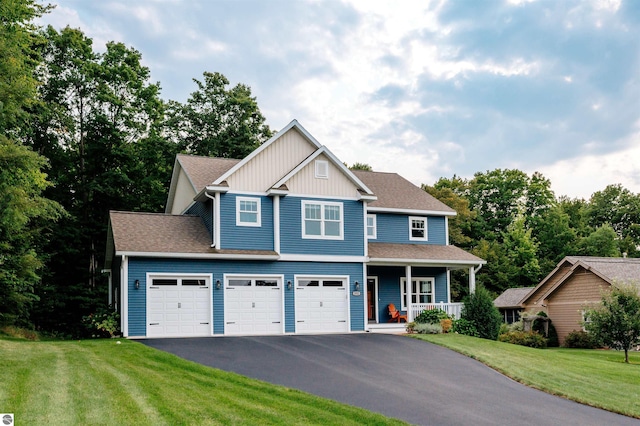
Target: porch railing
{"x": 452, "y": 309}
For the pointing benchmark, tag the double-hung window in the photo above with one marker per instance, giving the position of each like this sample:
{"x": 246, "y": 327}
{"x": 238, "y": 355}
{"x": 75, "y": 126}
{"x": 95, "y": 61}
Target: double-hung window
{"x": 421, "y": 291}
{"x": 371, "y": 226}
{"x": 248, "y": 211}
{"x": 322, "y": 220}
{"x": 418, "y": 228}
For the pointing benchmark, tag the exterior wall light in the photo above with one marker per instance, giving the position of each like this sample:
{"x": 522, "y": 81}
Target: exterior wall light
{"x": 357, "y": 286}
{"x": 137, "y": 284}
{"x": 289, "y": 285}
{"x": 218, "y": 285}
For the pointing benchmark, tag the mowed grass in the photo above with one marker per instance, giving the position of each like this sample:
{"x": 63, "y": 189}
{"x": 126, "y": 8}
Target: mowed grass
{"x": 599, "y": 378}
{"x": 103, "y": 382}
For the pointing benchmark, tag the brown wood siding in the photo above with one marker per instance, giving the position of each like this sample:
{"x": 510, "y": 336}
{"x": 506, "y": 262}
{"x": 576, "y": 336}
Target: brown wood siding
{"x": 534, "y": 303}
{"x": 566, "y": 304}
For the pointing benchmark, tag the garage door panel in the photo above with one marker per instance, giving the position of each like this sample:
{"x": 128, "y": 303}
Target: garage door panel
{"x": 322, "y": 308}
{"x": 177, "y": 310}
{"x": 254, "y": 309}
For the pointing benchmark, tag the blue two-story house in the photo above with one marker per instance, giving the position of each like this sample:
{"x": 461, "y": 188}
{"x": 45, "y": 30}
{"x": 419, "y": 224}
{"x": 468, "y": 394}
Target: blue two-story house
{"x": 286, "y": 240}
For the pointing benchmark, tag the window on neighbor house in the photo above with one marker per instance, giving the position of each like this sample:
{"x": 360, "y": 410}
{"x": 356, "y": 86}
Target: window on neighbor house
{"x": 417, "y": 228}
{"x": 322, "y": 220}
{"x": 421, "y": 291}
{"x": 248, "y": 211}
{"x": 371, "y": 226}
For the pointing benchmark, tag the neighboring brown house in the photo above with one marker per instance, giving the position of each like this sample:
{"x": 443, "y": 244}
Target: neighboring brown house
{"x": 577, "y": 282}
{"x": 508, "y": 303}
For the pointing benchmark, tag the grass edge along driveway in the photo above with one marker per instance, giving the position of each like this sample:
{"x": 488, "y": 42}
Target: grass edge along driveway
{"x": 599, "y": 378}
{"x": 106, "y": 382}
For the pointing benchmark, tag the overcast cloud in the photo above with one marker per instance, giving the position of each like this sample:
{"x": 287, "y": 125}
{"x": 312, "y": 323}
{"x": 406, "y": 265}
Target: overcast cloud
{"x": 427, "y": 89}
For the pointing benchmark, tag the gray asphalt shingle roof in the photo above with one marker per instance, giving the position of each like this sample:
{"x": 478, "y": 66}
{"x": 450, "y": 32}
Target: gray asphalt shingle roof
{"x": 614, "y": 268}
{"x": 423, "y": 252}
{"x": 511, "y": 297}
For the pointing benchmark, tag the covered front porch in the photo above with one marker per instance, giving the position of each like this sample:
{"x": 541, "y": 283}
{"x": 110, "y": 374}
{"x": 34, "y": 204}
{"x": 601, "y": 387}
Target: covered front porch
{"x": 428, "y": 269}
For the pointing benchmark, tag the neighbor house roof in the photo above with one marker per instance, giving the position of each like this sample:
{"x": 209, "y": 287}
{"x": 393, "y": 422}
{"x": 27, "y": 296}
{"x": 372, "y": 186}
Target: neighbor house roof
{"x": 613, "y": 270}
{"x": 159, "y": 234}
{"x": 511, "y": 297}
{"x": 396, "y": 193}
{"x": 392, "y": 253}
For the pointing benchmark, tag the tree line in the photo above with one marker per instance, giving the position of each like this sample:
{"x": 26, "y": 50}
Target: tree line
{"x": 83, "y": 132}
{"x": 516, "y": 223}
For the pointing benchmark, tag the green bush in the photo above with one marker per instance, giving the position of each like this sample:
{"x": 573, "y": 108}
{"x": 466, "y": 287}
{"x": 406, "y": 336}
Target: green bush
{"x": 105, "y": 322}
{"x": 428, "y": 328}
{"x": 532, "y": 339}
{"x": 552, "y": 338}
{"x": 580, "y": 340}
{"x": 479, "y": 309}
{"x": 431, "y": 316}
{"x": 466, "y": 327}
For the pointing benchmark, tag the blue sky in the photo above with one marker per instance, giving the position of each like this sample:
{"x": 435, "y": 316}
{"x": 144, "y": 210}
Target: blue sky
{"x": 426, "y": 89}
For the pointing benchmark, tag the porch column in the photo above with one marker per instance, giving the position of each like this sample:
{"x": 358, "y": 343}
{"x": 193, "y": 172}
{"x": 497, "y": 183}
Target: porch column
{"x": 472, "y": 280}
{"x": 409, "y": 284}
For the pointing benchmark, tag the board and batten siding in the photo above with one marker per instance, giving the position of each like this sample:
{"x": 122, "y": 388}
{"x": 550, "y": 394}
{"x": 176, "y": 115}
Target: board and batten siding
{"x": 245, "y": 237}
{"x": 139, "y": 267}
{"x": 271, "y": 164}
{"x": 291, "y": 241}
{"x": 335, "y": 185}
{"x": 394, "y": 228}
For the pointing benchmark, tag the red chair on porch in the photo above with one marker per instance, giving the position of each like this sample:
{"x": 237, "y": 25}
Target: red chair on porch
{"x": 396, "y": 315}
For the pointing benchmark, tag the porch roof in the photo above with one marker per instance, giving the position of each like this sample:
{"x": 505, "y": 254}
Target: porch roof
{"x": 421, "y": 254}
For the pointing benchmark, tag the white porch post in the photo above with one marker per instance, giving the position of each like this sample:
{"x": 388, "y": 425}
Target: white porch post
{"x": 409, "y": 284}
{"x": 472, "y": 280}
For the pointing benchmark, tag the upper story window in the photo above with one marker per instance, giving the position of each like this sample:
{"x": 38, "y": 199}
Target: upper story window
{"x": 418, "y": 228}
{"x": 322, "y": 169}
{"x": 371, "y": 226}
{"x": 322, "y": 220}
{"x": 248, "y": 211}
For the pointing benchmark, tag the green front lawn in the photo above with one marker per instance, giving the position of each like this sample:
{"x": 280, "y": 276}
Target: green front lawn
{"x": 103, "y": 382}
{"x": 595, "y": 377}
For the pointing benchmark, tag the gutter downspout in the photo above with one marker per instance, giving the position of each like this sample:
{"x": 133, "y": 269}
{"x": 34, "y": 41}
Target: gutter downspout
{"x": 213, "y": 218}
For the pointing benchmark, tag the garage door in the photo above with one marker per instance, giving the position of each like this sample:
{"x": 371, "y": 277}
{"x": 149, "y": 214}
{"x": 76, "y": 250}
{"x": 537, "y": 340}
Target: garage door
{"x": 178, "y": 307}
{"x": 321, "y": 305}
{"x": 253, "y": 306}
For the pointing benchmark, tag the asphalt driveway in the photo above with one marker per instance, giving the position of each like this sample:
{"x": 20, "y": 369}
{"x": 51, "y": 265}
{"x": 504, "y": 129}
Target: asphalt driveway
{"x": 399, "y": 377}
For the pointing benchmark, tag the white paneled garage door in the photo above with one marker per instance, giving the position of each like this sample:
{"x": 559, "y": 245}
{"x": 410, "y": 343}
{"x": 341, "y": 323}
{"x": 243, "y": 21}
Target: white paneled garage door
{"x": 322, "y": 305}
{"x": 253, "y": 305}
{"x": 178, "y": 306}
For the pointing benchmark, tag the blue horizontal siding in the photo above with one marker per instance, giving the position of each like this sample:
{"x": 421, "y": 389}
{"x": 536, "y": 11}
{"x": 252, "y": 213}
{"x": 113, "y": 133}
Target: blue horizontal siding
{"x": 394, "y": 228}
{"x": 291, "y": 241}
{"x": 139, "y": 267}
{"x": 204, "y": 211}
{"x": 245, "y": 237}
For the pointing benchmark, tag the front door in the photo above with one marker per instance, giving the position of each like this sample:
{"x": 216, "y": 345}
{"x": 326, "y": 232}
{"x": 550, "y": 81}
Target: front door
{"x": 372, "y": 298}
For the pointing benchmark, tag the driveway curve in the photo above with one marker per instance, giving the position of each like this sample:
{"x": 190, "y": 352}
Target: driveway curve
{"x": 409, "y": 379}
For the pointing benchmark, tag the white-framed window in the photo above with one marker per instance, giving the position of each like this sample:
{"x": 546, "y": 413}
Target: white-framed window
{"x": 371, "y": 226}
{"x": 322, "y": 169}
{"x": 248, "y": 211}
{"x": 422, "y": 290}
{"x": 418, "y": 228}
{"x": 322, "y": 220}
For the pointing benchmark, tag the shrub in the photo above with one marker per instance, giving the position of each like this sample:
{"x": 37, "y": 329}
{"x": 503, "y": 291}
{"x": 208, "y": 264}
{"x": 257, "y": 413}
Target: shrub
{"x": 552, "y": 337}
{"x": 105, "y": 322}
{"x": 411, "y": 327}
{"x": 428, "y": 328}
{"x": 580, "y": 340}
{"x": 466, "y": 327}
{"x": 431, "y": 316}
{"x": 532, "y": 339}
{"x": 480, "y": 310}
{"x": 517, "y": 326}
{"x": 446, "y": 325}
